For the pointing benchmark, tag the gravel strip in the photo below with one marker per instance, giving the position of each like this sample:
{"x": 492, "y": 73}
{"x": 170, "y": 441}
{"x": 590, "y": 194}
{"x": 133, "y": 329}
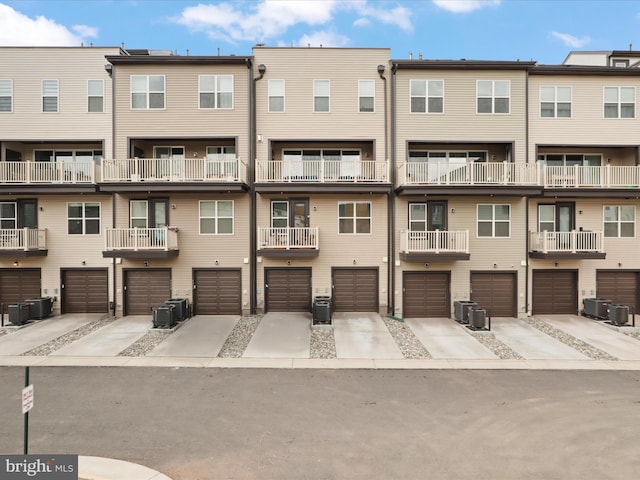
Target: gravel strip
{"x": 240, "y": 336}
{"x": 323, "y": 343}
{"x": 407, "y": 341}
{"x": 502, "y": 350}
{"x": 632, "y": 333}
{"x": 583, "y": 347}
{"x": 61, "y": 341}
{"x": 145, "y": 344}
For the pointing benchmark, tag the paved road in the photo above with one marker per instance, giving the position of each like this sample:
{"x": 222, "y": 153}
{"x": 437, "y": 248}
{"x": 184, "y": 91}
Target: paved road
{"x": 248, "y": 424}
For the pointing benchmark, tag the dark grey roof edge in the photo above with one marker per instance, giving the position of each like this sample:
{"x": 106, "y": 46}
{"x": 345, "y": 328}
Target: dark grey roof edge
{"x": 463, "y": 64}
{"x": 177, "y": 59}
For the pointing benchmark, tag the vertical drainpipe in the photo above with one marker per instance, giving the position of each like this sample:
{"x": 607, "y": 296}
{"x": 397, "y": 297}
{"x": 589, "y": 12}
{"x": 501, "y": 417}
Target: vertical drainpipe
{"x": 392, "y": 195}
{"x": 390, "y": 229}
{"x": 526, "y": 215}
{"x": 114, "y": 285}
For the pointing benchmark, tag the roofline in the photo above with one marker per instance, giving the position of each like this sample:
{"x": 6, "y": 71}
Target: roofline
{"x": 462, "y": 64}
{"x": 178, "y": 59}
{"x": 583, "y": 70}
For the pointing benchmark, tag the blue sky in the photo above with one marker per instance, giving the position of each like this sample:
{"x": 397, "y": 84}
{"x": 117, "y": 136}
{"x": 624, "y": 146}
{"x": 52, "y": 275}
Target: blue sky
{"x": 541, "y": 30}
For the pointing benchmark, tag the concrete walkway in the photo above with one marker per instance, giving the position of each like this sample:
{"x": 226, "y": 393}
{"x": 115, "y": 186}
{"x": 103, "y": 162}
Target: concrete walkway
{"x": 200, "y": 336}
{"x": 41, "y": 332}
{"x": 281, "y": 335}
{"x": 444, "y": 338}
{"x": 530, "y": 342}
{"x": 110, "y": 339}
{"x": 100, "y": 468}
{"x": 596, "y": 334}
{"x": 363, "y": 335}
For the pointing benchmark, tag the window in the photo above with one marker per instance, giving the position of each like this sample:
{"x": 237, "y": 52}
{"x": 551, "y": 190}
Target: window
{"x": 50, "y": 95}
{"x": 366, "y": 95}
{"x": 216, "y": 91}
{"x": 494, "y": 220}
{"x": 619, "y": 102}
{"x": 8, "y": 215}
{"x": 354, "y": 217}
{"x": 321, "y": 95}
{"x": 83, "y": 218}
{"x": 216, "y": 217}
{"x": 6, "y": 96}
{"x": 427, "y": 96}
{"x": 147, "y": 92}
{"x": 138, "y": 216}
{"x": 151, "y": 213}
{"x": 95, "y": 95}
{"x": 555, "y": 102}
{"x": 20, "y": 214}
{"x": 619, "y": 221}
{"x": 276, "y": 96}
{"x": 493, "y": 96}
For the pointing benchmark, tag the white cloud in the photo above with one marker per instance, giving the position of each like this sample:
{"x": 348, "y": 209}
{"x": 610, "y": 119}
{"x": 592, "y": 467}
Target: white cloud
{"x": 326, "y": 39}
{"x": 362, "y": 22}
{"x": 398, "y": 16}
{"x": 465, "y": 6}
{"x": 16, "y": 29}
{"x": 570, "y": 40}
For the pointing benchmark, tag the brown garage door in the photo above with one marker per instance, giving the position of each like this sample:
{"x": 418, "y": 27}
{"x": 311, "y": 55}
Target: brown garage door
{"x": 621, "y": 287}
{"x": 17, "y": 284}
{"x": 495, "y": 291}
{"x": 85, "y": 291}
{"x": 555, "y": 291}
{"x": 425, "y": 294}
{"x": 288, "y": 290}
{"x": 145, "y": 289}
{"x": 217, "y": 292}
{"x": 355, "y": 289}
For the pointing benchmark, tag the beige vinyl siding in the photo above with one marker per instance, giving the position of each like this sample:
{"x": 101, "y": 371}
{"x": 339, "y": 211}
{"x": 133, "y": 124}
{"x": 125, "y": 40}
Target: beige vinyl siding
{"x": 72, "y": 67}
{"x": 336, "y": 250}
{"x": 181, "y": 116}
{"x": 507, "y": 254}
{"x": 299, "y": 67}
{"x": 460, "y": 122}
{"x": 587, "y": 125}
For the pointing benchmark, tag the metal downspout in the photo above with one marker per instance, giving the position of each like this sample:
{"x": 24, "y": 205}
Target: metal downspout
{"x": 390, "y": 228}
{"x": 526, "y": 216}
{"x": 392, "y": 197}
{"x": 114, "y": 282}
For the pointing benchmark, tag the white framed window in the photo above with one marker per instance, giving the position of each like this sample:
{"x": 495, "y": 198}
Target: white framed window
{"x": 555, "y": 101}
{"x": 276, "y": 96}
{"x": 619, "y": 221}
{"x": 50, "y": 96}
{"x": 279, "y": 213}
{"x": 83, "y": 218}
{"x": 6, "y": 96}
{"x": 494, "y": 220}
{"x": 418, "y": 217}
{"x": 216, "y": 91}
{"x": 321, "y": 95}
{"x": 427, "y": 96}
{"x": 138, "y": 215}
{"x": 147, "y": 92}
{"x": 95, "y": 96}
{"x": 546, "y": 218}
{"x": 493, "y": 96}
{"x": 619, "y": 102}
{"x": 8, "y": 215}
{"x": 366, "y": 96}
{"x": 354, "y": 218}
{"x": 216, "y": 217}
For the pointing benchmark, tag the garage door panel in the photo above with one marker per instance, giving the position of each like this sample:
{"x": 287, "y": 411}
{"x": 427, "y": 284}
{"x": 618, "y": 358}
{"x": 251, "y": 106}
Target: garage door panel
{"x": 218, "y": 292}
{"x": 146, "y": 289}
{"x": 355, "y": 290}
{"x": 555, "y": 292}
{"x": 426, "y": 294}
{"x": 18, "y": 284}
{"x": 85, "y": 291}
{"x": 288, "y": 290}
{"x": 495, "y": 291}
{"x": 620, "y": 287}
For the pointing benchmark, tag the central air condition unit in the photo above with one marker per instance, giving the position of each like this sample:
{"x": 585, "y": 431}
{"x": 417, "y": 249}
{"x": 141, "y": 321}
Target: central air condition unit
{"x": 477, "y": 317}
{"x": 618, "y": 314}
{"x": 461, "y": 310}
{"x": 596, "y": 308}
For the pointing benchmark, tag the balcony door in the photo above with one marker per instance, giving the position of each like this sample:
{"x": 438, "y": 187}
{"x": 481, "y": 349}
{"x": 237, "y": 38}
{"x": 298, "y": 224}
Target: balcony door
{"x": 293, "y": 212}
{"x": 151, "y": 213}
{"x": 429, "y": 216}
{"x": 559, "y": 217}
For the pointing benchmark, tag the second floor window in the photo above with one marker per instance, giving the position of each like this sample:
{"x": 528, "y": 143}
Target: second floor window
{"x": 321, "y": 95}
{"x": 276, "y": 96}
{"x": 555, "y": 102}
{"x": 147, "y": 92}
{"x": 83, "y": 218}
{"x": 366, "y": 95}
{"x": 6, "y": 96}
{"x": 494, "y": 221}
{"x": 216, "y": 217}
{"x": 95, "y": 95}
{"x": 493, "y": 96}
{"x": 216, "y": 91}
{"x": 50, "y": 95}
{"x": 427, "y": 96}
{"x": 619, "y": 102}
{"x": 354, "y": 218}
{"x": 619, "y": 221}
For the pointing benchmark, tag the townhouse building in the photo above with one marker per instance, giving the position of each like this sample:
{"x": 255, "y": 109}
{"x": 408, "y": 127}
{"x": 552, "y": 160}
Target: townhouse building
{"x": 253, "y": 184}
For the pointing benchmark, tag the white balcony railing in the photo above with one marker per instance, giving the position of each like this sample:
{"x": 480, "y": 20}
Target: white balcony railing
{"x": 135, "y": 239}
{"x": 580, "y": 176}
{"x": 171, "y": 169}
{"x": 472, "y": 173}
{"x": 48, "y": 172}
{"x": 567, "y": 242}
{"x": 288, "y": 238}
{"x": 436, "y": 241}
{"x": 319, "y": 171}
{"x": 23, "y": 239}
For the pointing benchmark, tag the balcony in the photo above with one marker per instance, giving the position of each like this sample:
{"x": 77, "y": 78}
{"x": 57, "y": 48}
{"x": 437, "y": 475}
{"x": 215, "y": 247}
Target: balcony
{"x": 141, "y": 242}
{"x": 563, "y": 245}
{"x": 434, "y": 245}
{"x": 288, "y": 242}
{"x": 23, "y": 242}
{"x": 582, "y": 176}
{"x": 186, "y": 174}
{"x": 50, "y": 176}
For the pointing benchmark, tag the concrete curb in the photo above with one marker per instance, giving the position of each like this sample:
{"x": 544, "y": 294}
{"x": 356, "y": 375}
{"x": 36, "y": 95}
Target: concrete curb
{"x": 100, "y": 468}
